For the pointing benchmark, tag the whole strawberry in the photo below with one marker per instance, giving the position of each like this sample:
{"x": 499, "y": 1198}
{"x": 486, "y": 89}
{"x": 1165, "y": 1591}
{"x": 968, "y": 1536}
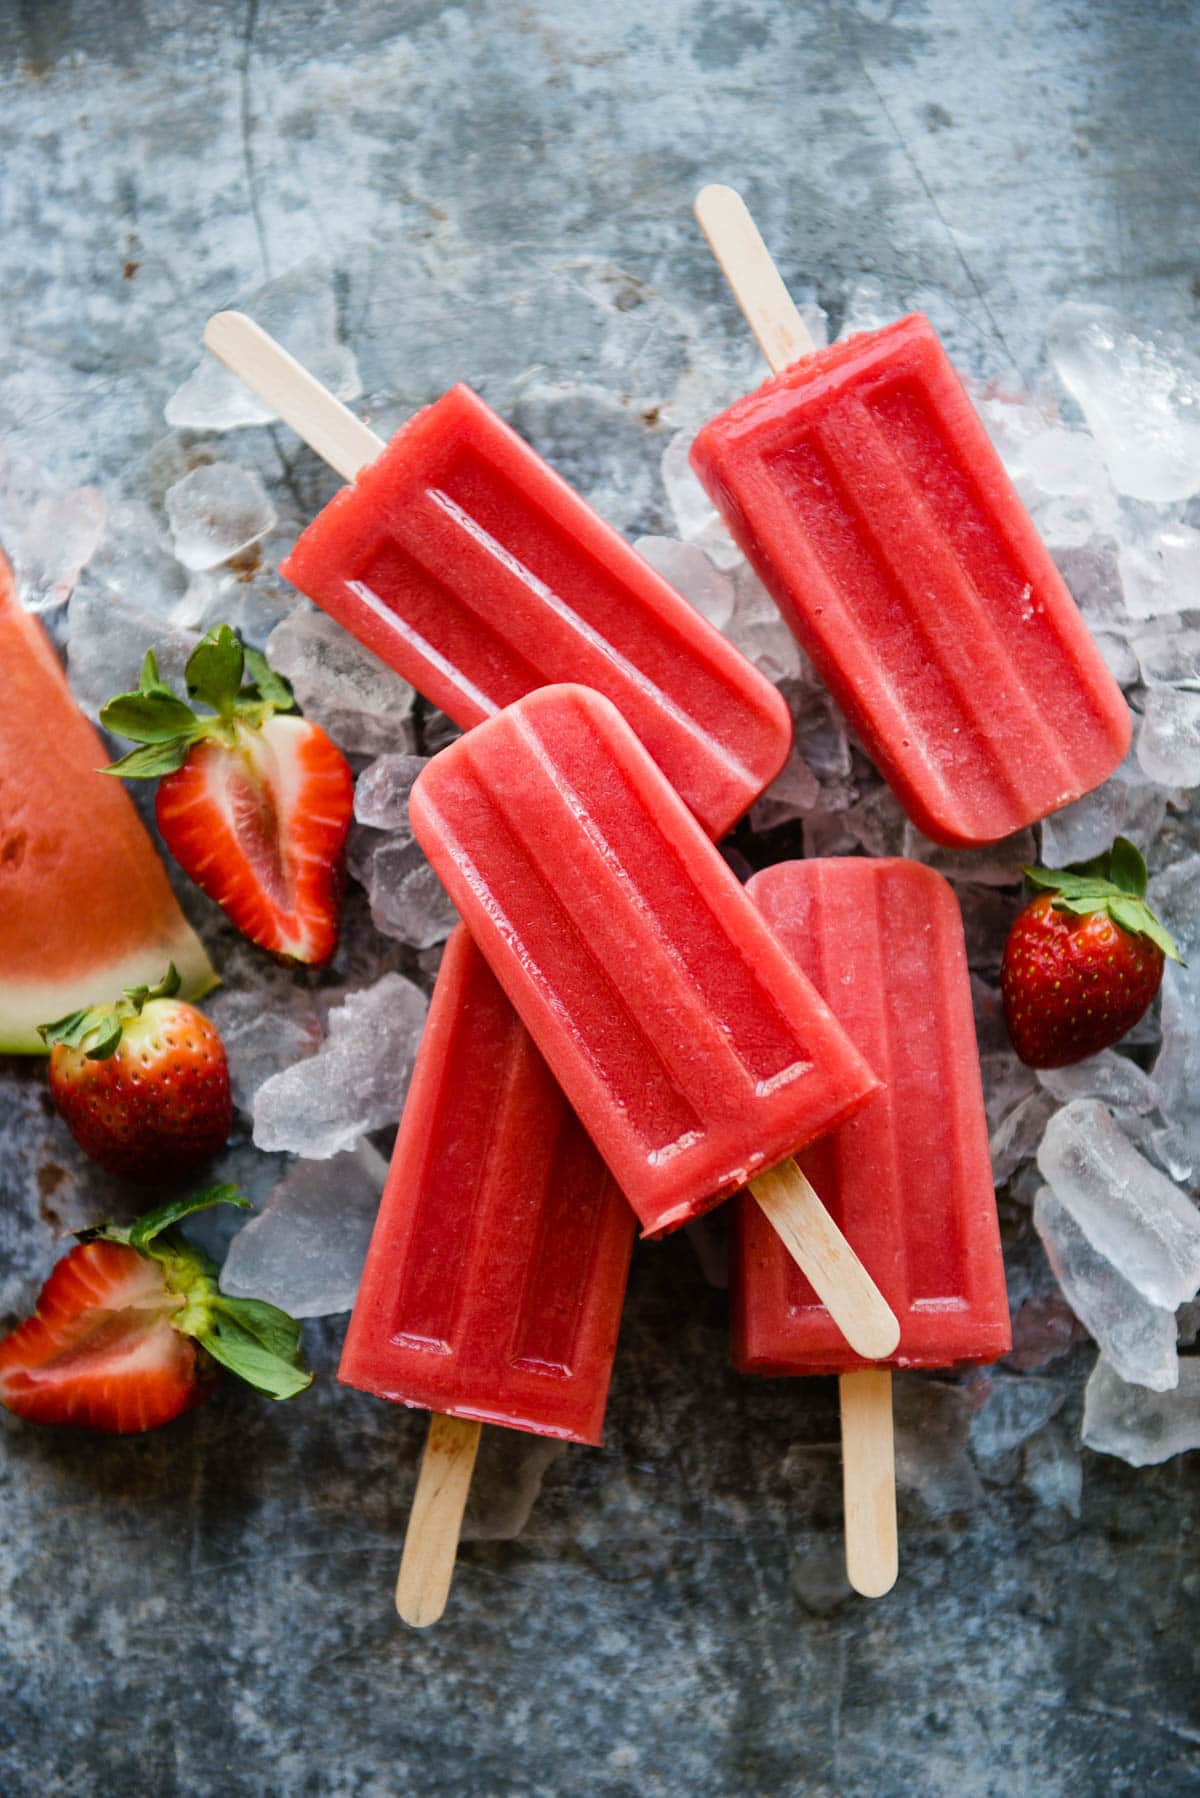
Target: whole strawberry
{"x": 143, "y": 1085}
{"x": 1083, "y": 960}
{"x": 131, "y": 1330}
{"x": 253, "y": 804}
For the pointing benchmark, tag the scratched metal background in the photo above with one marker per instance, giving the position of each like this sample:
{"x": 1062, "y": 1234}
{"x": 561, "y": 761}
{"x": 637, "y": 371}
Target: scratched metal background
{"x": 500, "y": 186}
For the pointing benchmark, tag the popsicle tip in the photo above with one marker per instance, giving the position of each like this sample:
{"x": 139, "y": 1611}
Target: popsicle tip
{"x": 416, "y": 1608}
{"x": 223, "y": 326}
{"x": 715, "y": 193}
{"x": 878, "y": 1333}
{"x": 875, "y": 1579}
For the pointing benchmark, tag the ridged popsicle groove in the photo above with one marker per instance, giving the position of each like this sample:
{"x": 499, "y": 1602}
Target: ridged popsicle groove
{"x": 464, "y": 562}
{"x": 495, "y": 1276}
{"x": 908, "y": 1179}
{"x": 692, "y": 1049}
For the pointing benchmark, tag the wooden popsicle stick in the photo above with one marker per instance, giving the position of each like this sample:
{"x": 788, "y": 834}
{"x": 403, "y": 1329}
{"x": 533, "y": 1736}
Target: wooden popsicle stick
{"x": 834, "y": 1271}
{"x": 768, "y": 307}
{"x": 327, "y": 426}
{"x": 434, "y": 1524}
{"x": 869, "y": 1480}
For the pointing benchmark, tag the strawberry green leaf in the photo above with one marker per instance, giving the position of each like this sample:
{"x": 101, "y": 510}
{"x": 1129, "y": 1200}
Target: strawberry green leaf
{"x": 150, "y": 680}
{"x": 152, "y": 1224}
{"x": 156, "y": 717}
{"x": 214, "y": 669}
{"x": 151, "y": 761}
{"x": 272, "y": 1328}
{"x": 96, "y": 1031}
{"x": 1127, "y": 867}
{"x": 239, "y": 1347}
{"x": 272, "y": 688}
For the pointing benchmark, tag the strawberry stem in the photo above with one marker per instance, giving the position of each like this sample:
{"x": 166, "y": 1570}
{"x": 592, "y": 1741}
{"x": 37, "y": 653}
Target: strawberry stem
{"x": 1115, "y": 883}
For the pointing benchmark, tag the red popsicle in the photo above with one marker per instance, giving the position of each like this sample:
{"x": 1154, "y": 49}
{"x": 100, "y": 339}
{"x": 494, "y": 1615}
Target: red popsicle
{"x": 909, "y": 1178}
{"x": 863, "y": 488}
{"x": 696, "y": 1054}
{"x": 464, "y": 562}
{"x": 493, "y": 1286}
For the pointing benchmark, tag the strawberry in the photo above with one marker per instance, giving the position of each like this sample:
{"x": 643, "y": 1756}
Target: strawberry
{"x": 254, "y": 803}
{"x": 131, "y": 1330}
{"x": 143, "y": 1085}
{"x": 1083, "y": 960}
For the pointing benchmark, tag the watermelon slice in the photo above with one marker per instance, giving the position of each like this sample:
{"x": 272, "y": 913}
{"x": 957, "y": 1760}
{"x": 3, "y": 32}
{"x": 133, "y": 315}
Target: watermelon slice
{"x": 85, "y": 905}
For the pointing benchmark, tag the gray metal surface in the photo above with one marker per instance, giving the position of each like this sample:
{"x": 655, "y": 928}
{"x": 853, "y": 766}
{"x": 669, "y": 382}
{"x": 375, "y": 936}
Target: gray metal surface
{"x": 505, "y": 193}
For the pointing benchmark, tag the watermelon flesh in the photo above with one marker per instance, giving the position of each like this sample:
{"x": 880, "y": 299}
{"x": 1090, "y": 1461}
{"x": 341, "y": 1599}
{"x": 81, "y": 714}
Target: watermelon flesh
{"x": 85, "y": 904}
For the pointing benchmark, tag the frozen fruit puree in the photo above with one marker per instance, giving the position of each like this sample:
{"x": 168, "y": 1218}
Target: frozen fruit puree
{"x": 693, "y": 1049}
{"x": 909, "y": 1178}
{"x": 865, "y": 492}
{"x": 469, "y": 566}
{"x": 497, "y": 1268}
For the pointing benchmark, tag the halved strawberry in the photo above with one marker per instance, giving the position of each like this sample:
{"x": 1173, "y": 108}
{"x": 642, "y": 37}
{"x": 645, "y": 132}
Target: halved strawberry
{"x": 254, "y": 805}
{"x": 131, "y": 1331}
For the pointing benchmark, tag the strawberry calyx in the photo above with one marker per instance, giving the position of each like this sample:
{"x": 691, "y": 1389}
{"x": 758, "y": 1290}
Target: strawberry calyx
{"x": 96, "y": 1030}
{"x": 1114, "y": 883}
{"x": 250, "y": 1338}
{"x": 235, "y": 681}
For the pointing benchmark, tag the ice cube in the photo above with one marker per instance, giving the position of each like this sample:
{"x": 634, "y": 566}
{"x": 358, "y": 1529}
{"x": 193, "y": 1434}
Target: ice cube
{"x": 1044, "y": 1329}
{"x": 997, "y": 864}
{"x": 382, "y": 792}
{"x": 217, "y": 511}
{"x": 1086, "y": 828}
{"x": 1177, "y": 1069}
{"x": 757, "y": 629}
{"x": 1136, "y": 1337}
{"x": 1168, "y": 743}
{"x": 1015, "y": 1139}
{"x": 1017, "y": 1406}
{"x": 878, "y": 823}
{"x": 135, "y": 561}
{"x": 305, "y": 1251}
{"x": 1160, "y": 570}
{"x": 265, "y": 1029}
{"x": 1113, "y": 1078}
{"x": 407, "y": 899}
{"x": 1007, "y": 1083}
{"x": 1128, "y": 1210}
{"x": 354, "y": 1083}
{"x": 59, "y": 537}
{"x": 300, "y": 310}
{"x": 1170, "y": 658}
{"x": 1175, "y": 896}
{"x": 691, "y": 573}
{"x": 49, "y": 532}
{"x": 932, "y": 1420}
{"x": 793, "y": 793}
{"x": 1138, "y": 1425}
{"x": 363, "y": 705}
{"x": 691, "y": 508}
{"x": 106, "y": 644}
{"x": 1140, "y": 396}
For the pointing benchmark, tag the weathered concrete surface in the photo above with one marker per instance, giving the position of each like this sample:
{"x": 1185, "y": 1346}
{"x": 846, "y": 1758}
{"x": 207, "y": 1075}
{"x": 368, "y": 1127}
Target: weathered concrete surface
{"x": 504, "y": 192}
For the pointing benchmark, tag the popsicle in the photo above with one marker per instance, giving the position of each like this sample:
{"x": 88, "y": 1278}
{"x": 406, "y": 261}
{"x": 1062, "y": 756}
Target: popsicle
{"x": 695, "y": 1053}
{"x": 863, "y": 488}
{"x": 493, "y": 1285}
{"x": 463, "y": 561}
{"x": 908, "y": 1178}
